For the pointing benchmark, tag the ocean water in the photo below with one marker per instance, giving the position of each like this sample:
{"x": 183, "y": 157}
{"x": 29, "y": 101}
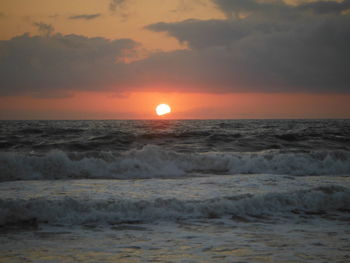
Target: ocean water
{"x": 175, "y": 191}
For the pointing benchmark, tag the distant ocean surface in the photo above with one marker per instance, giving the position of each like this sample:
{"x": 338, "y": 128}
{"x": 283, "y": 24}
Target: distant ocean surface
{"x": 175, "y": 191}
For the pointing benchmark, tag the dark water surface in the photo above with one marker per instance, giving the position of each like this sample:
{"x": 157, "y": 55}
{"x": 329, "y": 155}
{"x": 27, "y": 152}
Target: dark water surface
{"x": 151, "y": 149}
{"x": 175, "y": 191}
{"x": 178, "y": 135}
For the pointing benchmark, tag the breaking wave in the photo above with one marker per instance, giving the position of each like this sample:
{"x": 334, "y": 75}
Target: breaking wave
{"x": 155, "y": 162}
{"x": 62, "y": 211}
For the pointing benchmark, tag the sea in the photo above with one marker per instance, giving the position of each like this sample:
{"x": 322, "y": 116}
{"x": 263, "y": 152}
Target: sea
{"x": 175, "y": 191}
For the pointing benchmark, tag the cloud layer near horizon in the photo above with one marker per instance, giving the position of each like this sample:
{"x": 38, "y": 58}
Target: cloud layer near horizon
{"x": 50, "y": 65}
{"x": 260, "y": 47}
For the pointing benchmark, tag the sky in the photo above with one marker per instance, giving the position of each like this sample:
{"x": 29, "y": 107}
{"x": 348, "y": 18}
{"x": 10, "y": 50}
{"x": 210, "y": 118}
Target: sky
{"x": 207, "y": 59}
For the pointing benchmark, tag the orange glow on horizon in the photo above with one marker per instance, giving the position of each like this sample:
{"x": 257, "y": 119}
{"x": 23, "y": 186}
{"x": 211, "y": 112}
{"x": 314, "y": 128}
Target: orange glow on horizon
{"x": 140, "y": 105}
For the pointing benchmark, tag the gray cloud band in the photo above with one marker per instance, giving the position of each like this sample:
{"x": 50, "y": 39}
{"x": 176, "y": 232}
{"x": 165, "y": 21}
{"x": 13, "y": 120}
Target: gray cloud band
{"x": 264, "y": 52}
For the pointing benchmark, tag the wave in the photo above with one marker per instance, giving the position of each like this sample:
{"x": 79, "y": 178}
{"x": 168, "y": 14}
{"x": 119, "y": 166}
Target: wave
{"x": 50, "y": 131}
{"x": 62, "y": 211}
{"x": 203, "y": 136}
{"x": 155, "y": 162}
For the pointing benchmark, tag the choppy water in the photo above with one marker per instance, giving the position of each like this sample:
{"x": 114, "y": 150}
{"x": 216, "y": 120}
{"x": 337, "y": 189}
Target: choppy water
{"x": 175, "y": 191}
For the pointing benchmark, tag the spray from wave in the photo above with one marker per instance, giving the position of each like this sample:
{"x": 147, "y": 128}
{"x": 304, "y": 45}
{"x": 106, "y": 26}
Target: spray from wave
{"x": 155, "y": 162}
{"x": 316, "y": 201}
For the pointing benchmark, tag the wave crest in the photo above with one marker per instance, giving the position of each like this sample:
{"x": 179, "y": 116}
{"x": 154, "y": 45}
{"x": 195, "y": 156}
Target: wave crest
{"x": 115, "y": 211}
{"x": 155, "y": 162}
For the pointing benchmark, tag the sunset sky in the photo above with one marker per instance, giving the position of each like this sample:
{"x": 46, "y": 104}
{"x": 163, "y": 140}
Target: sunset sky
{"x": 119, "y": 59}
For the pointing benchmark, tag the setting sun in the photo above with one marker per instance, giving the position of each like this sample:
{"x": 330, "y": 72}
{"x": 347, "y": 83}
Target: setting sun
{"x": 163, "y": 109}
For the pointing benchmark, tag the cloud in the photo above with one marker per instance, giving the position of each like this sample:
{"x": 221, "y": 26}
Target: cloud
{"x": 236, "y": 8}
{"x": 278, "y": 7}
{"x": 202, "y": 34}
{"x": 52, "y": 65}
{"x": 44, "y": 29}
{"x": 115, "y": 5}
{"x": 119, "y": 7}
{"x": 85, "y": 16}
{"x": 263, "y": 51}
{"x": 184, "y": 6}
{"x": 326, "y": 7}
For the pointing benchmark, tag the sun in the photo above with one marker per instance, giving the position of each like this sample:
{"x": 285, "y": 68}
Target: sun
{"x": 163, "y": 109}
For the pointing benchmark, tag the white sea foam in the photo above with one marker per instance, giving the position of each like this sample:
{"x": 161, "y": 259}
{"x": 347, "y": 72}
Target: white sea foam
{"x": 67, "y": 210}
{"x": 155, "y": 162}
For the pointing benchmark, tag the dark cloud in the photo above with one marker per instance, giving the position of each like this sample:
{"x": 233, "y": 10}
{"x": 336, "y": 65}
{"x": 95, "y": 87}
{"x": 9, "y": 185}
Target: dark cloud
{"x": 264, "y": 51}
{"x": 85, "y": 16}
{"x": 202, "y": 34}
{"x": 300, "y": 52}
{"x": 48, "y": 66}
{"x": 326, "y": 7}
{"x": 44, "y": 29}
{"x": 278, "y": 7}
{"x": 236, "y": 8}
